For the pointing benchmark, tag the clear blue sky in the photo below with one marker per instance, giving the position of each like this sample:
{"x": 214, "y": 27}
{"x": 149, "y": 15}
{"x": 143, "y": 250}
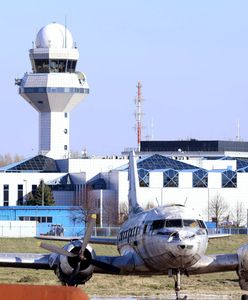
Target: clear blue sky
{"x": 190, "y": 56}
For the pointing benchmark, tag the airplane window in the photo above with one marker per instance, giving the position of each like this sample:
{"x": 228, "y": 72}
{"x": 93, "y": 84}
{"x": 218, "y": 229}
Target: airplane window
{"x": 173, "y": 223}
{"x": 157, "y": 224}
{"x": 190, "y": 223}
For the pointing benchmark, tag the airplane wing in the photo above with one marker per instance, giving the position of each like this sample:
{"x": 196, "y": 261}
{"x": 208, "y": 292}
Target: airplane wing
{"x": 126, "y": 264}
{"x": 218, "y": 235}
{"x": 102, "y": 240}
{"x": 26, "y": 260}
{"x": 225, "y": 262}
{"x": 93, "y": 240}
{"x": 215, "y": 263}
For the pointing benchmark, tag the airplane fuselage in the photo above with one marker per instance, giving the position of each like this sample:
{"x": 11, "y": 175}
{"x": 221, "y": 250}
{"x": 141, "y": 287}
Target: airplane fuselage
{"x": 164, "y": 238}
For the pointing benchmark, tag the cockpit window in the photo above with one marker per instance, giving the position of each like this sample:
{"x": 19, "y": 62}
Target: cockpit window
{"x": 173, "y": 223}
{"x": 201, "y": 224}
{"x": 170, "y": 223}
{"x": 190, "y": 223}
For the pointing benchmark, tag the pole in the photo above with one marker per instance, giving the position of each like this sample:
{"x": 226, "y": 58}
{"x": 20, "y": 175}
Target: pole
{"x": 42, "y": 193}
{"x": 101, "y": 209}
{"x": 26, "y": 191}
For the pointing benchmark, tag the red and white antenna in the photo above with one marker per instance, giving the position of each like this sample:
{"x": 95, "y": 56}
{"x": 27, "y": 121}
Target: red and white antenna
{"x": 138, "y": 114}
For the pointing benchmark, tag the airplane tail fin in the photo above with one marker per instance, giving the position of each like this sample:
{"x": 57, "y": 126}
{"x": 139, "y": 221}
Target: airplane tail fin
{"x": 133, "y": 199}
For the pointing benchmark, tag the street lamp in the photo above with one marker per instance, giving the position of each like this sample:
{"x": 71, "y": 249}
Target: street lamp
{"x": 26, "y": 190}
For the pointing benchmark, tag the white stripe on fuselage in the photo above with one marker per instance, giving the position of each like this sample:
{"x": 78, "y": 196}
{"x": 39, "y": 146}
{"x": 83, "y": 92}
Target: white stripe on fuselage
{"x": 160, "y": 245}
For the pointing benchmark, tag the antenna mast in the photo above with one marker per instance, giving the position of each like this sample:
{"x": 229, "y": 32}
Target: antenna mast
{"x": 65, "y": 32}
{"x": 138, "y": 114}
{"x": 238, "y": 132}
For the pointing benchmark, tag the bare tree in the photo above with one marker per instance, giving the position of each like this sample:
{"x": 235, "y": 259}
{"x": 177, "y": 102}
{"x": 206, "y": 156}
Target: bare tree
{"x": 239, "y": 213}
{"x": 7, "y": 159}
{"x": 218, "y": 209}
{"x": 123, "y": 212}
{"x": 150, "y": 205}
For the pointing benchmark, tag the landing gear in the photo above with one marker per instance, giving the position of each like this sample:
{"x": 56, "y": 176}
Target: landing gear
{"x": 177, "y": 278}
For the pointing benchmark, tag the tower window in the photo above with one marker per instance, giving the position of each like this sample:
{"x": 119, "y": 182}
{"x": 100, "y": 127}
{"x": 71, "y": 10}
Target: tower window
{"x": 42, "y": 65}
{"x": 65, "y": 131}
{"x": 54, "y": 65}
{"x": 66, "y": 115}
{"x": 65, "y": 147}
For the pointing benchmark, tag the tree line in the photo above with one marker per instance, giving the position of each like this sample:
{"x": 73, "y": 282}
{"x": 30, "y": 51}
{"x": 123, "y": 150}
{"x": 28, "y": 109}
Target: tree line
{"x": 6, "y": 159}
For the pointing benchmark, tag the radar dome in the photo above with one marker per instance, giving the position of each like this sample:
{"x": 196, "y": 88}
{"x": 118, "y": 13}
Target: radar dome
{"x": 54, "y": 35}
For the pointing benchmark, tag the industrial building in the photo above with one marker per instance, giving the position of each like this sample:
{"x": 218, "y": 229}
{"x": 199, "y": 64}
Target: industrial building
{"x": 54, "y": 220}
{"x": 194, "y": 147}
{"x": 186, "y": 172}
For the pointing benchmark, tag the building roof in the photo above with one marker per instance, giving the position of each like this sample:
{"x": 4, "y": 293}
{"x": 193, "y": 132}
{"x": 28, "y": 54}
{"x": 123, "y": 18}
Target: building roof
{"x": 38, "y": 164}
{"x": 38, "y": 207}
{"x": 160, "y": 162}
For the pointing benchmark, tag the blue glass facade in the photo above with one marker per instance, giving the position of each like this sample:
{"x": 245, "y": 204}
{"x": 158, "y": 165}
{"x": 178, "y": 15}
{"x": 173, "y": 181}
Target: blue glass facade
{"x": 143, "y": 177}
{"x": 200, "y": 178}
{"x": 170, "y": 178}
{"x": 229, "y": 179}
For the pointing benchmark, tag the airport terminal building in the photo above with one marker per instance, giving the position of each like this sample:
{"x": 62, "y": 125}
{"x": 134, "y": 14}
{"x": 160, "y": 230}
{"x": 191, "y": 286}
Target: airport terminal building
{"x": 102, "y": 183}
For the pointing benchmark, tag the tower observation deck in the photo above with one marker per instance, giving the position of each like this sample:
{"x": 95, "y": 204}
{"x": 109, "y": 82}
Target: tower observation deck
{"x": 54, "y": 87}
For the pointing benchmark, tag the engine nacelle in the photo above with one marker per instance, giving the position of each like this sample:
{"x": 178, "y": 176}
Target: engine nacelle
{"x": 72, "y": 271}
{"x": 243, "y": 267}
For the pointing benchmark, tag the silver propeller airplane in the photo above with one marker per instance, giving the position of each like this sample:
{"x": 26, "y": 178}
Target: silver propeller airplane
{"x": 169, "y": 240}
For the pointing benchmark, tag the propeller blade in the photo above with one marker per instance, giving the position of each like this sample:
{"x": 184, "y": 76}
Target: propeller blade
{"x": 56, "y": 249}
{"x": 87, "y": 236}
{"x": 105, "y": 266}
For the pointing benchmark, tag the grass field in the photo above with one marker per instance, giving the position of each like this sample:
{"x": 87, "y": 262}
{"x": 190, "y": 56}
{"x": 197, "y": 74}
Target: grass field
{"x": 105, "y": 285}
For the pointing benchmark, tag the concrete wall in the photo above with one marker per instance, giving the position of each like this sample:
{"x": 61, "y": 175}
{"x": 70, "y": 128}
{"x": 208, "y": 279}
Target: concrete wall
{"x": 210, "y": 164}
{"x": 18, "y": 229}
{"x": 25, "y": 179}
{"x": 94, "y": 166}
{"x": 198, "y": 198}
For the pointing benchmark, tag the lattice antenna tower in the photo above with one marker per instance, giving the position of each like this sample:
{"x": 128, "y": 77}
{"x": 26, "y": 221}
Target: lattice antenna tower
{"x": 138, "y": 114}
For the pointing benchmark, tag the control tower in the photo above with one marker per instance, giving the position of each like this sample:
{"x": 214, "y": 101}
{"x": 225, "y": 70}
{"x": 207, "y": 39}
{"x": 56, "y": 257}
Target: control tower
{"x": 54, "y": 87}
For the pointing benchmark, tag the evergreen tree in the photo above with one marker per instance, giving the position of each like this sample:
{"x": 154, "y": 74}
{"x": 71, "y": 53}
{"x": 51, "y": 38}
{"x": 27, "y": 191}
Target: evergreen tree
{"x": 43, "y": 192}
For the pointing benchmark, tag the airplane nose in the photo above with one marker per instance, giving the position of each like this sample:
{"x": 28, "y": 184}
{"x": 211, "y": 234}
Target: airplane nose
{"x": 183, "y": 247}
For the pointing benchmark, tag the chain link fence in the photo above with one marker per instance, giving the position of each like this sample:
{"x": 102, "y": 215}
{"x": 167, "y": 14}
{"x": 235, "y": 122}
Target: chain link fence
{"x": 32, "y": 229}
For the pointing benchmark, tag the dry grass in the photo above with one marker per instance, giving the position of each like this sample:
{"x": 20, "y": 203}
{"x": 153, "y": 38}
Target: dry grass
{"x": 105, "y": 285}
